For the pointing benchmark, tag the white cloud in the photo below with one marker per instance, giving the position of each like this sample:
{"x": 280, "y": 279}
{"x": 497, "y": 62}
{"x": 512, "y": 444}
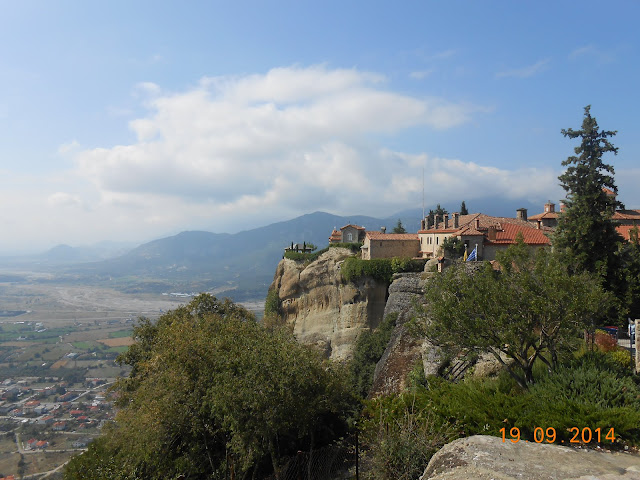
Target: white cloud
{"x": 239, "y": 152}
{"x": 592, "y": 52}
{"x": 234, "y": 138}
{"x": 62, "y": 199}
{"x": 525, "y": 72}
{"x": 421, "y": 75}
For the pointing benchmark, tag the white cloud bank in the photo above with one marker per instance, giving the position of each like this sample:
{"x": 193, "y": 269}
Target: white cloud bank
{"x": 237, "y": 152}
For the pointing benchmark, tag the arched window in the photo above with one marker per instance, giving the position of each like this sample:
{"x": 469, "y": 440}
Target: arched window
{"x": 350, "y": 237}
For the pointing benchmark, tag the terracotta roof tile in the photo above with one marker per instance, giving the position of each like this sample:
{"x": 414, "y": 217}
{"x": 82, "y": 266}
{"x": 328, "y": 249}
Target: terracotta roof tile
{"x": 509, "y": 231}
{"x": 357, "y": 227}
{"x": 540, "y": 216}
{"x": 624, "y": 230}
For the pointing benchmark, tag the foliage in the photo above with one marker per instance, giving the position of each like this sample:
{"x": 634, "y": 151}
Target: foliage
{"x": 586, "y": 235}
{"x": 531, "y": 310}
{"x": 400, "y": 442}
{"x": 381, "y": 269}
{"x": 592, "y": 390}
{"x": 353, "y": 246}
{"x": 272, "y": 308}
{"x": 399, "y": 228}
{"x": 439, "y": 211}
{"x": 368, "y": 350}
{"x": 211, "y": 385}
{"x": 304, "y": 257}
{"x": 463, "y": 209}
{"x": 453, "y": 247}
{"x": 378, "y": 268}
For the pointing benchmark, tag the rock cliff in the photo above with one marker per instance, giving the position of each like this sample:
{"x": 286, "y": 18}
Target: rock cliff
{"x": 324, "y": 310}
{"x": 403, "y": 351}
{"x": 487, "y": 458}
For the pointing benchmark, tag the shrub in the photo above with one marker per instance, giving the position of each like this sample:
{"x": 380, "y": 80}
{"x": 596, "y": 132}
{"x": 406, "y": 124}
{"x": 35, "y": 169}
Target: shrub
{"x": 304, "y": 257}
{"x": 381, "y": 269}
{"x": 368, "y": 350}
{"x": 401, "y": 441}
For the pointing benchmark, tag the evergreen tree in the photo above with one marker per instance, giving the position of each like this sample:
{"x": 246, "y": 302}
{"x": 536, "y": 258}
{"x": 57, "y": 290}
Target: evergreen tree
{"x": 463, "y": 209}
{"x": 586, "y": 236}
{"x": 399, "y": 228}
{"x": 439, "y": 211}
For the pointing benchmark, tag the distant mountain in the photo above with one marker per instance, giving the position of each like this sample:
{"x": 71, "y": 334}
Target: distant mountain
{"x": 241, "y": 264}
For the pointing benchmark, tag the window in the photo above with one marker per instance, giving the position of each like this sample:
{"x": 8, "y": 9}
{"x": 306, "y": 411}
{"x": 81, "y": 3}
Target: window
{"x": 349, "y": 237}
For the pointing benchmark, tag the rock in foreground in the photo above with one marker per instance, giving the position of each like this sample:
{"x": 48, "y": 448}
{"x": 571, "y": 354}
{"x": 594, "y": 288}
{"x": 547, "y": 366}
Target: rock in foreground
{"x": 487, "y": 458}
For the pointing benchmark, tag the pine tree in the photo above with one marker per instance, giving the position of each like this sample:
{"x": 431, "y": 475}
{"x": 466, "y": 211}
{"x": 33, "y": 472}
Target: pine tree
{"x": 586, "y": 235}
{"x": 399, "y": 228}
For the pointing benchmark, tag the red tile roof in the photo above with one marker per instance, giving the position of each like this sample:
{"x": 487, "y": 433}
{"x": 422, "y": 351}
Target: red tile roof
{"x": 540, "y": 216}
{"x": 626, "y": 215}
{"x": 357, "y": 227}
{"x": 624, "y": 230}
{"x": 508, "y": 232}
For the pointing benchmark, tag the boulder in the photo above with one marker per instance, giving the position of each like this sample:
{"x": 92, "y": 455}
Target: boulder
{"x": 489, "y": 458}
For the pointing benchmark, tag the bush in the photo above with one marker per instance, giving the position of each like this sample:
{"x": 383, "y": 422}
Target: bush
{"x": 381, "y": 269}
{"x": 401, "y": 441}
{"x": 368, "y": 350}
{"x": 304, "y": 257}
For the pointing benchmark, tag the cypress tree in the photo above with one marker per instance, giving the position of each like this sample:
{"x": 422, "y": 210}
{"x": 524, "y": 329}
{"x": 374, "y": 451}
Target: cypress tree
{"x": 586, "y": 236}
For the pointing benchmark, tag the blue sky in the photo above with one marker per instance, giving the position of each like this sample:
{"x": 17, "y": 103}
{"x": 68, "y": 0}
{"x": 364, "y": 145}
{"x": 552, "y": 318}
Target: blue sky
{"x": 138, "y": 119}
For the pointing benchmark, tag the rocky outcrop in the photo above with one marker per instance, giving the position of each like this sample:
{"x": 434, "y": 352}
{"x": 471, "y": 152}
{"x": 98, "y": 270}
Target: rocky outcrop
{"x": 322, "y": 309}
{"x": 488, "y": 458}
{"x": 403, "y": 351}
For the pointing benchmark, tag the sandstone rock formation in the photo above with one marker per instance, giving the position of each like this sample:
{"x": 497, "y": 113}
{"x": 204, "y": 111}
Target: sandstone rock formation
{"x": 488, "y": 458}
{"x": 324, "y": 310}
{"x": 403, "y": 351}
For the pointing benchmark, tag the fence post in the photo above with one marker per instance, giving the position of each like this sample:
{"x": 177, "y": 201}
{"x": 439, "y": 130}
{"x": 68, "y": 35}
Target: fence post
{"x": 637, "y": 345}
{"x": 357, "y": 456}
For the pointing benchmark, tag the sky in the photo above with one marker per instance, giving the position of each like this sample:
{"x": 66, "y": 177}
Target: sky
{"x": 134, "y": 120}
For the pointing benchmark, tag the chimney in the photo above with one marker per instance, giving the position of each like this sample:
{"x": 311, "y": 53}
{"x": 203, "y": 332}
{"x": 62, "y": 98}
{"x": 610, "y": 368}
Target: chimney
{"x": 423, "y": 224}
{"x": 477, "y": 224}
{"x": 456, "y": 220}
{"x": 491, "y": 233}
{"x": 383, "y": 229}
{"x": 539, "y": 225}
{"x": 521, "y": 214}
{"x": 549, "y": 207}
{"x": 435, "y": 220}
{"x": 446, "y": 220}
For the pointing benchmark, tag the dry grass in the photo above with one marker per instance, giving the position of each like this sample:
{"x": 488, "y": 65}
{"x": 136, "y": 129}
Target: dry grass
{"x": 60, "y": 363}
{"x": 117, "y": 342}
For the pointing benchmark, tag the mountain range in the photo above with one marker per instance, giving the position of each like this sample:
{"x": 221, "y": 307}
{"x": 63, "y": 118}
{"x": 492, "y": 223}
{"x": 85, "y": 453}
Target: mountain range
{"x": 239, "y": 265}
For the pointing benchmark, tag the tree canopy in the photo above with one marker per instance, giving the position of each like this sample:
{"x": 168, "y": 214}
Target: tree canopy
{"x": 399, "y": 228}
{"x": 530, "y": 310}
{"x": 212, "y": 389}
{"x": 463, "y": 209}
{"x": 586, "y": 236}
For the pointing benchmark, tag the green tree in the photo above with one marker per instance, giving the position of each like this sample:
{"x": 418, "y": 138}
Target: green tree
{"x": 211, "y": 387}
{"x": 586, "y": 236}
{"x": 439, "y": 211}
{"x": 463, "y": 209}
{"x": 529, "y": 311}
{"x": 399, "y": 228}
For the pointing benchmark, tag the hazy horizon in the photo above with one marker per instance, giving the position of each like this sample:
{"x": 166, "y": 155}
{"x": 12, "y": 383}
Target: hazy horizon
{"x": 136, "y": 121}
